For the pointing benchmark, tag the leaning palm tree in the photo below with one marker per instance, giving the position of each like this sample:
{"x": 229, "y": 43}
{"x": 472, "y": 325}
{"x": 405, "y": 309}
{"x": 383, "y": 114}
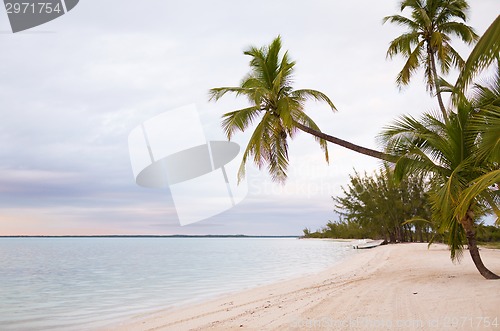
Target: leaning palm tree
{"x": 427, "y": 42}
{"x": 280, "y": 112}
{"x": 462, "y": 170}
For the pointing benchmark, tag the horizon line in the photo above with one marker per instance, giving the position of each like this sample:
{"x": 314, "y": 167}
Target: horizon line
{"x": 152, "y": 236}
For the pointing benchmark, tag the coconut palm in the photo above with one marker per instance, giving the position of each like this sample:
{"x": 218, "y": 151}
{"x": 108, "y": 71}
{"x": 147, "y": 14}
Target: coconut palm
{"x": 427, "y": 42}
{"x": 485, "y": 120}
{"x": 454, "y": 154}
{"x": 279, "y": 109}
{"x": 486, "y": 117}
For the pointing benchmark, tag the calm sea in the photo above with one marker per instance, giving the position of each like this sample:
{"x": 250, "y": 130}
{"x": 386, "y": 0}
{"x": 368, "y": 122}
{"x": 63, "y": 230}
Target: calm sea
{"x": 84, "y": 283}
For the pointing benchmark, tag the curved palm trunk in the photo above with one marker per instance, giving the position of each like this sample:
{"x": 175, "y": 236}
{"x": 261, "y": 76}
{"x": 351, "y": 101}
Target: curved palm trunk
{"x": 348, "y": 145}
{"x": 468, "y": 225}
{"x": 437, "y": 87}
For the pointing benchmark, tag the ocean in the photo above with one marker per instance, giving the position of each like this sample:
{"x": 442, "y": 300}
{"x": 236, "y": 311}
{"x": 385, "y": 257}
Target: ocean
{"x": 87, "y": 283}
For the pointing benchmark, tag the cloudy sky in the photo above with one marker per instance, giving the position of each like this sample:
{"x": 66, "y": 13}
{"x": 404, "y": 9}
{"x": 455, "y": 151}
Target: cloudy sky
{"x": 73, "y": 89}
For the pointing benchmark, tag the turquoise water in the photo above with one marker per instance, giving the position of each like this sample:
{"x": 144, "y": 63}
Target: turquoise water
{"x": 84, "y": 283}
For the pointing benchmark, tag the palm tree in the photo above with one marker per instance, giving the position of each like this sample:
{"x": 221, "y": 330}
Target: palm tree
{"x": 453, "y": 153}
{"x": 486, "y": 122}
{"x": 280, "y": 112}
{"x": 427, "y": 42}
{"x": 486, "y": 117}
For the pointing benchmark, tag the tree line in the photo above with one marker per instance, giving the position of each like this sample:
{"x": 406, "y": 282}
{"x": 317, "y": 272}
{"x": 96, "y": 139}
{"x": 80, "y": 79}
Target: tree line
{"x": 379, "y": 206}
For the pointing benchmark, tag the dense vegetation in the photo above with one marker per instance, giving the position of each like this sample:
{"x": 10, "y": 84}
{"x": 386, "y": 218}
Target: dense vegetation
{"x": 345, "y": 229}
{"x": 379, "y": 207}
{"x": 488, "y": 233}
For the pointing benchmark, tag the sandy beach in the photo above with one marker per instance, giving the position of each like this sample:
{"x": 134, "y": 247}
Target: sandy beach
{"x": 393, "y": 287}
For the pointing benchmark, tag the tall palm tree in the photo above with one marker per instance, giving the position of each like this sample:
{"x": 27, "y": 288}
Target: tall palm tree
{"x": 279, "y": 109}
{"x": 462, "y": 172}
{"x": 427, "y": 42}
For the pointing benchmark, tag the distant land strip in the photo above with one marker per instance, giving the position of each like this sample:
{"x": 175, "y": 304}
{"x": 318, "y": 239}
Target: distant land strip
{"x": 148, "y": 236}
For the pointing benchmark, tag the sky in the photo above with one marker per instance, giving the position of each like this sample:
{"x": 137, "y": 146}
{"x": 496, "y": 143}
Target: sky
{"x": 73, "y": 89}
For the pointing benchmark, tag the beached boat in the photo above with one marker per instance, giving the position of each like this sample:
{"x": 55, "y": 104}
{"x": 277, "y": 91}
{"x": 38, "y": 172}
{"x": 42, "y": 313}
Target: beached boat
{"x": 363, "y": 244}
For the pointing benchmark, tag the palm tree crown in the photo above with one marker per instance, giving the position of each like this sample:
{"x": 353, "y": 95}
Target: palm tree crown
{"x": 280, "y": 111}
{"x": 279, "y": 108}
{"x": 427, "y": 42}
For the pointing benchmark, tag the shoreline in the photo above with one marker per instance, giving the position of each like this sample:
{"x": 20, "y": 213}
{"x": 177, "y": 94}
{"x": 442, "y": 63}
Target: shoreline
{"x": 389, "y": 287}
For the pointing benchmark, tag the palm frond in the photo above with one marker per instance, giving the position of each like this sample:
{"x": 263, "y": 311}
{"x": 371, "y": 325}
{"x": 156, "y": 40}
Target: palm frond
{"x": 257, "y": 146}
{"x": 216, "y": 93}
{"x": 465, "y": 32}
{"x": 239, "y": 120}
{"x": 411, "y": 66}
{"x": 413, "y": 4}
{"x": 456, "y": 8}
{"x": 403, "y": 44}
{"x": 305, "y": 94}
{"x": 482, "y": 184}
{"x": 485, "y": 52}
{"x": 456, "y": 59}
{"x": 445, "y": 86}
{"x": 278, "y": 153}
{"x": 401, "y": 20}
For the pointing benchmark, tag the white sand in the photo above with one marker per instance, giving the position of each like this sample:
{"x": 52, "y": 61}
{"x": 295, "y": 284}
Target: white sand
{"x": 393, "y": 287}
